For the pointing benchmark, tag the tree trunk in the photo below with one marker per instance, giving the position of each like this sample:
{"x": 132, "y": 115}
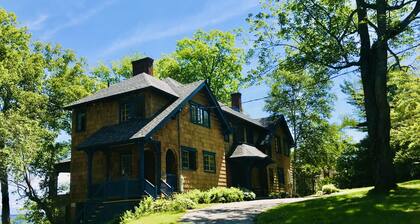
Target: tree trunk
{"x": 5, "y": 208}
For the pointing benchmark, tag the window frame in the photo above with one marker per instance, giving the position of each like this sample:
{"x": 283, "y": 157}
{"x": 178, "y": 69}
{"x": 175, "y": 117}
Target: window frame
{"x": 81, "y": 127}
{"x": 123, "y": 165}
{"x": 213, "y": 155}
{"x": 189, "y": 150}
{"x": 198, "y": 113}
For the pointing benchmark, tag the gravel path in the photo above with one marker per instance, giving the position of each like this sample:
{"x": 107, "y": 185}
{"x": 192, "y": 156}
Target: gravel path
{"x": 234, "y": 213}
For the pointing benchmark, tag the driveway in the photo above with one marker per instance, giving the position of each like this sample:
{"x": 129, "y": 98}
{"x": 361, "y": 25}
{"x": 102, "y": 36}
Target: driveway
{"x": 238, "y": 212}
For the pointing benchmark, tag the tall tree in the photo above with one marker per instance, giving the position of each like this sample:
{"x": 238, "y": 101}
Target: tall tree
{"x": 340, "y": 35}
{"x": 306, "y": 103}
{"x": 210, "y": 56}
{"x": 20, "y": 78}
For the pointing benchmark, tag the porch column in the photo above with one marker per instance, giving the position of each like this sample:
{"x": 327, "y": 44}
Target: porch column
{"x": 141, "y": 167}
{"x": 157, "y": 167}
{"x": 89, "y": 179}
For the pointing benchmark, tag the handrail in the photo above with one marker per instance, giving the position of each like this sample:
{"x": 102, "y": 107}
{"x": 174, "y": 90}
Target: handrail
{"x": 149, "y": 188}
{"x": 166, "y": 189}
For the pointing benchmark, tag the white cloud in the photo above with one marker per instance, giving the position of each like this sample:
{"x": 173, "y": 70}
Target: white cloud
{"x": 76, "y": 20}
{"x": 213, "y": 14}
{"x": 36, "y": 24}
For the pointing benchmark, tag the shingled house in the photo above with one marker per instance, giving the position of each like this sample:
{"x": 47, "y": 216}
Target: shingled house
{"x": 145, "y": 136}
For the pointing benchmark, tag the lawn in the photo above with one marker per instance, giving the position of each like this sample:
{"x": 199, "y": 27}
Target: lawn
{"x": 164, "y": 217}
{"x": 356, "y": 206}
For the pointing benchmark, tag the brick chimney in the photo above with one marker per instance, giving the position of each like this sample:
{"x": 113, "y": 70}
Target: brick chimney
{"x": 236, "y": 101}
{"x": 143, "y": 65}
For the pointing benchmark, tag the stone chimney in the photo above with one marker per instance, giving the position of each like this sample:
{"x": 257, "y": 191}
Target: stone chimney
{"x": 236, "y": 101}
{"x": 143, "y": 65}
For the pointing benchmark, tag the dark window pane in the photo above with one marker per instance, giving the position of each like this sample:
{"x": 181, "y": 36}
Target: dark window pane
{"x": 81, "y": 121}
{"x": 209, "y": 161}
{"x": 126, "y": 164}
{"x": 280, "y": 173}
{"x": 189, "y": 158}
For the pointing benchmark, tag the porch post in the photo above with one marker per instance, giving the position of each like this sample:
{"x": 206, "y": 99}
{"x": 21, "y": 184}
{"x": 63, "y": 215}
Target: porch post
{"x": 141, "y": 167}
{"x": 157, "y": 167}
{"x": 89, "y": 180}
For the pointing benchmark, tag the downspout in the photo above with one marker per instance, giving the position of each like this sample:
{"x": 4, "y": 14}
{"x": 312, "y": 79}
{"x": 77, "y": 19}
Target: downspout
{"x": 180, "y": 177}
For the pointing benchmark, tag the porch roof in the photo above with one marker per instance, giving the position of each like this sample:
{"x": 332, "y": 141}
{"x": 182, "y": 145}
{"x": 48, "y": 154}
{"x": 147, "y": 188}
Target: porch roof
{"x": 114, "y": 134}
{"x": 247, "y": 151}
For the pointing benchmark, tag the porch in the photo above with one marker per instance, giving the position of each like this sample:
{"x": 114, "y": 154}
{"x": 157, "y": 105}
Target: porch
{"x": 128, "y": 171}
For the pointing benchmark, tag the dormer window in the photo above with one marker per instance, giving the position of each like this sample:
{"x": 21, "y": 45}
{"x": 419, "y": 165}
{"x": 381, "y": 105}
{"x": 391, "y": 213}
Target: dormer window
{"x": 125, "y": 112}
{"x": 80, "y": 120}
{"x": 132, "y": 108}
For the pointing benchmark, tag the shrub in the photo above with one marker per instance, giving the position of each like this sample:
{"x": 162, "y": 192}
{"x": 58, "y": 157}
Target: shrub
{"x": 248, "y": 195}
{"x": 329, "y": 188}
{"x": 280, "y": 194}
{"x": 225, "y": 195}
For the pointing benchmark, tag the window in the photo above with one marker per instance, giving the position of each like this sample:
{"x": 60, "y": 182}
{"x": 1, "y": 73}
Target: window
{"x": 132, "y": 107}
{"x": 125, "y": 112}
{"x": 199, "y": 115}
{"x": 279, "y": 144}
{"x": 249, "y": 136}
{"x": 125, "y": 164}
{"x": 81, "y": 121}
{"x": 280, "y": 174}
{"x": 226, "y": 137}
{"x": 189, "y": 160}
{"x": 209, "y": 161}
{"x": 238, "y": 134}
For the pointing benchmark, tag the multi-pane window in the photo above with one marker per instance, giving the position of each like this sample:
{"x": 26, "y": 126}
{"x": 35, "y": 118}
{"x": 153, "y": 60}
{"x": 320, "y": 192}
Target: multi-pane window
{"x": 125, "y": 164}
{"x": 209, "y": 161}
{"x": 199, "y": 115}
{"x": 132, "y": 107}
{"x": 189, "y": 161}
{"x": 280, "y": 174}
{"x": 80, "y": 120}
{"x": 125, "y": 112}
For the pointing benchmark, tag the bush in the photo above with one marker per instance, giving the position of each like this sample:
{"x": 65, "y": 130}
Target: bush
{"x": 280, "y": 194}
{"x": 248, "y": 195}
{"x": 329, "y": 188}
{"x": 188, "y": 200}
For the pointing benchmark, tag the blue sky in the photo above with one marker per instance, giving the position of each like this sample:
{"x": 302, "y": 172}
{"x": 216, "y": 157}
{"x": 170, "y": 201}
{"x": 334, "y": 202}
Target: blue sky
{"x": 107, "y": 30}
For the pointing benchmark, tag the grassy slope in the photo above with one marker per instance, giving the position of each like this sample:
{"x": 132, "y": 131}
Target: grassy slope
{"x": 355, "y": 206}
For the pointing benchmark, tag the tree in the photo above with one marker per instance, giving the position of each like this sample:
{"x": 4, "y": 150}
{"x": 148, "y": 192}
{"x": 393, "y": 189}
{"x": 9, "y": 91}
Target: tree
{"x": 208, "y": 56}
{"x": 36, "y": 81}
{"x": 341, "y": 35}
{"x": 117, "y": 71}
{"x": 305, "y": 101}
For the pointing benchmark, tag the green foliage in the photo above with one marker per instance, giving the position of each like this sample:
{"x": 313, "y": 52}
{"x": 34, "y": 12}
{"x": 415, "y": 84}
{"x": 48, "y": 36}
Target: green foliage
{"x": 280, "y": 194}
{"x": 354, "y": 166}
{"x": 36, "y": 81}
{"x": 188, "y": 200}
{"x": 208, "y": 56}
{"x": 118, "y": 70}
{"x": 351, "y": 206}
{"x": 329, "y": 189}
{"x": 248, "y": 194}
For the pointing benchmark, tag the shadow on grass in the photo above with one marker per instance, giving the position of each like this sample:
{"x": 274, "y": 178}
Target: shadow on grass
{"x": 401, "y": 205}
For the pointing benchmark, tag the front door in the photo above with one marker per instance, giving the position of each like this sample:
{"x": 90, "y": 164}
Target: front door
{"x": 171, "y": 169}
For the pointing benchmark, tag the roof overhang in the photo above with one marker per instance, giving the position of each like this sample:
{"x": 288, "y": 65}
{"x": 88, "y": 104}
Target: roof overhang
{"x": 247, "y": 151}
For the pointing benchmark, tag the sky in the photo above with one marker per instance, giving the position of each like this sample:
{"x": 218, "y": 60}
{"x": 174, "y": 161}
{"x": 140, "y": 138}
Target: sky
{"x": 103, "y": 31}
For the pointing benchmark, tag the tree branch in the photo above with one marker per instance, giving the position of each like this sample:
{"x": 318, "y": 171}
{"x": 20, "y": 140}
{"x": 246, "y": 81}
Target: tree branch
{"x": 401, "y": 26}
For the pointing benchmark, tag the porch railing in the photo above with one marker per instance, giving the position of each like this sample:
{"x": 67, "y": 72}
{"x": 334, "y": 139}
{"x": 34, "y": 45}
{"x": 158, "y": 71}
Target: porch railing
{"x": 165, "y": 188}
{"x": 150, "y": 189}
{"x": 124, "y": 188}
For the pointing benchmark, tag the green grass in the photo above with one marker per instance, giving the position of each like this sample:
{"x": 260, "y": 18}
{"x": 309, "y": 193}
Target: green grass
{"x": 164, "y": 217}
{"x": 355, "y": 206}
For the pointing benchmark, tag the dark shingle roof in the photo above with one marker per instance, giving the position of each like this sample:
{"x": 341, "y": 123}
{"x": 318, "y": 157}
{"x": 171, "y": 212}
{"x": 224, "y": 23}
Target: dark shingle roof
{"x": 139, "y": 129}
{"x": 122, "y": 132}
{"x": 240, "y": 115}
{"x": 140, "y": 81}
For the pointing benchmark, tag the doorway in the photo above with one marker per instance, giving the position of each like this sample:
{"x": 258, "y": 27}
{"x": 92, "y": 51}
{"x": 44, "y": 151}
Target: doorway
{"x": 171, "y": 169}
{"x": 149, "y": 166}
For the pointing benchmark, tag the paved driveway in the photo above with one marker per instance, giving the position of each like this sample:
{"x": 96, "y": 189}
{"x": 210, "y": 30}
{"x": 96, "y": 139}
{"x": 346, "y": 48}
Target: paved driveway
{"x": 237, "y": 212}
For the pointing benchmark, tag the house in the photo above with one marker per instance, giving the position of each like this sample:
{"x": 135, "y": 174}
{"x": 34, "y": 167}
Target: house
{"x": 145, "y": 136}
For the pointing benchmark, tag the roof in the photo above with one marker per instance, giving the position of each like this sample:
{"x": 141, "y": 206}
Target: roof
{"x": 244, "y": 150}
{"x": 271, "y": 122}
{"x": 132, "y": 130}
{"x": 240, "y": 115}
{"x": 137, "y": 82}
